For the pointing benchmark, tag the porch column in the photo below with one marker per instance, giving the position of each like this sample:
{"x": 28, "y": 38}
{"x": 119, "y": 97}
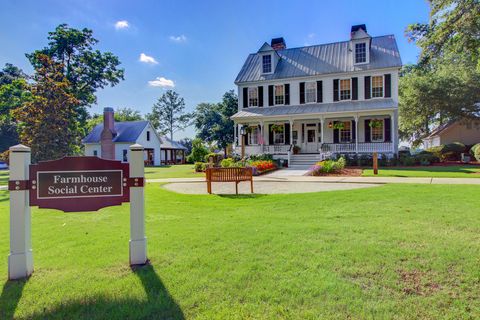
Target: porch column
{"x": 322, "y": 134}
{"x": 291, "y": 141}
{"x": 262, "y": 134}
{"x": 356, "y": 133}
{"x": 234, "y": 135}
{"x": 393, "y": 121}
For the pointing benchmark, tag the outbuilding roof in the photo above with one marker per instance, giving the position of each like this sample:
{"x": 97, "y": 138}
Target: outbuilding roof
{"x": 167, "y": 143}
{"x": 322, "y": 59}
{"x": 127, "y": 131}
{"x": 315, "y": 108}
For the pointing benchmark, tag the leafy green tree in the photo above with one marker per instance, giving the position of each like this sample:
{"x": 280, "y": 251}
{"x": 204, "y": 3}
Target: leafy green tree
{"x": 85, "y": 68}
{"x": 48, "y": 121}
{"x": 199, "y": 151}
{"x": 121, "y": 114}
{"x": 213, "y": 123}
{"x": 9, "y": 73}
{"x": 187, "y": 143}
{"x": 168, "y": 115}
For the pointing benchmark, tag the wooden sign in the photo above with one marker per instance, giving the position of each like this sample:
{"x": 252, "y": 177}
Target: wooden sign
{"x": 80, "y": 184}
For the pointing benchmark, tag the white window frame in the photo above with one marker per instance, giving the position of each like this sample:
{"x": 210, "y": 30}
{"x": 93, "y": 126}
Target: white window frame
{"x": 275, "y": 95}
{"x": 340, "y": 133}
{"x": 355, "y": 53}
{"x": 248, "y": 96}
{"x": 253, "y": 136}
{"x": 371, "y": 86}
{"x": 383, "y": 133}
{"x": 271, "y": 64}
{"x": 283, "y": 136}
{"x": 340, "y": 89}
{"x": 315, "y": 92}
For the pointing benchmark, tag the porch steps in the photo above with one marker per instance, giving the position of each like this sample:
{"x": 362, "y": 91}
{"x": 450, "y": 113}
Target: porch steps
{"x": 303, "y": 161}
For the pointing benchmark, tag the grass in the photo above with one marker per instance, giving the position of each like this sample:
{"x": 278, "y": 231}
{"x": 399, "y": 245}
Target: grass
{"x": 395, "y": 251}
{"x": 427, "y": 172}
{"x": 176, "y": 171}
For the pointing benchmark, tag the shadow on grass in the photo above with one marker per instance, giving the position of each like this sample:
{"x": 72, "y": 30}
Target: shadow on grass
{"x": 11, "y": 294}
{"x": 241, "y": 196}
{"x": 157, "y": 305}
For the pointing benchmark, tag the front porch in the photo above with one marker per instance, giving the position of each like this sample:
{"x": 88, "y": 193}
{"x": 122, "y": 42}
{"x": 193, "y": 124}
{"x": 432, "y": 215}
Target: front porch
{"x": 358, "y": 133}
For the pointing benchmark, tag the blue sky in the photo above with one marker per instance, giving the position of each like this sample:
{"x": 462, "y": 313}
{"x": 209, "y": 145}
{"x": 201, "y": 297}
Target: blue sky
{"x": 198, "y": 45}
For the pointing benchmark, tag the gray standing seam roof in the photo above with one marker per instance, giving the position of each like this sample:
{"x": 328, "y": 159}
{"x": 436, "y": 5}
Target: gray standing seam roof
{"x": 349, "y": 106}
{"x": 127, "y": 131}
{"x": 322, "y": 59}
{"x": 171, "y": 144}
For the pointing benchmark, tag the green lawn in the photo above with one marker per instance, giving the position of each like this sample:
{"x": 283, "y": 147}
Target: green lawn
{"x": 4, "y": 177}
{"x": 177, "y": 171}
{"x": 395, "y": 251}
{"x": 429, "y": 172}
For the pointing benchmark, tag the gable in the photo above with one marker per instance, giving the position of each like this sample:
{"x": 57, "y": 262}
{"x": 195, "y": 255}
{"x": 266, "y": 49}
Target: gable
{"x": 127, "y": 131}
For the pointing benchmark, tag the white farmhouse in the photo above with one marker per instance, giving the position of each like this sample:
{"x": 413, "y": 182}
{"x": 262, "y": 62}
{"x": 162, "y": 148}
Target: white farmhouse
{"x": 111, "y": 140}
{"x": 331, "y": 98}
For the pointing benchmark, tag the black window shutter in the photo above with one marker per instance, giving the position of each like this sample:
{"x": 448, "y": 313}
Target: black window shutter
{"x": 387, "y": 127}
{"x": 302, "y": 92}
{"x": 388, "y": 85}
{"x": 355, "y": 88}
{"x": 354, "y": 131}
{"x": 287, "y": 93}
{"x": 319, "y": 91}
{"x": 336, "y": 134}
{"x": 367, "y": 87}
{"x": 246, "y": 136}
{"x": 270, "y": 95}
{"x": 286, "y": 128}
{"x": 335, "y": 90}
{"x": 260, "y": 96}
{"x": 270, "y": 134}
{"x": 367, "y": 130}
{"x": 245, "y": 97}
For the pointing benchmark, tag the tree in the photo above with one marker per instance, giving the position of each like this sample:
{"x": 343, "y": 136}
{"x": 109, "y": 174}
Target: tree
{"x": 168, "y": 114}
{"x": 199, "y": 151}
{"x": 48, "y": 121}
{"x": 13, "y": 93}
{"x": 121, "y": 114}
{"x": 187, "y": 143}
{"x": 86, "y": 69}
{"x": 213, "y": 123}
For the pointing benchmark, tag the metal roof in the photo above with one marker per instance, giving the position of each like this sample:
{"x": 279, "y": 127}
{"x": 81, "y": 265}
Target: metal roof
{"x": 127, "y": 131}
{"x": 166, "y": 143}
{"x": 321, "y": 108}
{"x": 322, "y": 59}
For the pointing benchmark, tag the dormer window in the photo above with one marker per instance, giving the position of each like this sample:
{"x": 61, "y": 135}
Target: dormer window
{"x": 267, "y": 63}
{"x": 360, "y": 52}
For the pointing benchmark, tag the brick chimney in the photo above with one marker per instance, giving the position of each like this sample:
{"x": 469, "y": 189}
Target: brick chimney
{"x": 278, "y": 44}
{"x": 108, "y": 133}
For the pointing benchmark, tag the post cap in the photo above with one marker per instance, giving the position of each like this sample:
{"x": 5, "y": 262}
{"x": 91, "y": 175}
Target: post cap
{"x": 136, "y": 147}
{"x": 19, "y": 148}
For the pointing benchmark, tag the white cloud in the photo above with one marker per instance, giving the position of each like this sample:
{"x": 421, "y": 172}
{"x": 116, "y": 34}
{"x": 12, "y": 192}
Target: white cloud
{"x": 161, "y": 82}
{"x": 178, "y": 39}
{"x": 311, "y": 35}
{"x": 147, "y": 59}
{"x": 122, "y": 24}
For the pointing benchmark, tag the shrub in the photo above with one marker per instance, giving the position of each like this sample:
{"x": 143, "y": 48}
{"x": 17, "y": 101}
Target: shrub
{"x": 327, "y": 166}
{"x": 263, "y": 165}
{"x": 437, "y": 151}
{"x": 259, "y": 157}
{"x": 474, "y": 148}
{"x": 227, "y": 163}
{"x": 198, "y": 151}
{"x": 200, "y": 166}
{"x": 406, "y": 161}
{"x": 452, "y": 151}
{"x": 477, "y": 154}
{"x": 217, "y": 157}
{"x": 365, "y": 160}
{"x": 426, "y": 158}
{"x": 5, "y": 156}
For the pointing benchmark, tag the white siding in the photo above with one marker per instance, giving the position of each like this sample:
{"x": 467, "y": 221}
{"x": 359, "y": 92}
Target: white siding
{"x": 154, "y": 143}
{"x": 91, "y": 147}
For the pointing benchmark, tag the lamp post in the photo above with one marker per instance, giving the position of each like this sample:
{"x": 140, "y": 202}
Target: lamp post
{"x": 242, "y": 133}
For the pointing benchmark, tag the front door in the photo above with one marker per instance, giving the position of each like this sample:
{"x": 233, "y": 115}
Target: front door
{"x": 311, "y": 135}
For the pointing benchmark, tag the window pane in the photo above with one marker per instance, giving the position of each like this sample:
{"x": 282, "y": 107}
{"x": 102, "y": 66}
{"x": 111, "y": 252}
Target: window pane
{"x": 253, "y": 97}
{"x": 377, "y": 86}
{"x": 279, "y": 95}
{"x": 345, "y": 89}
{"x": 278, "y": 137}
{"x": 253, "y": 136}
{"x": 310, "y": 92}
{"x": 360, "y": 53}
{"x": 377, "y": 133}
{"x": 267, "y": 63}
{"x": 346, "y": 132}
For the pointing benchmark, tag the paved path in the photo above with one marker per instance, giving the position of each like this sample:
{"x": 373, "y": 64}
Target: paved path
{"x": 263, "y": 187}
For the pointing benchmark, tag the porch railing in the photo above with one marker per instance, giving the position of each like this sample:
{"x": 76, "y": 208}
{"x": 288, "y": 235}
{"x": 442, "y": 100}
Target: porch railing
{"x": 368, "y": 147}
{"x": 276, "y": 149}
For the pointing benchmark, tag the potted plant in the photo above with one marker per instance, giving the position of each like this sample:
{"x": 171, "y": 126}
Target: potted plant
{"x": 278, "y": 128}
{"x": 339, "y": 125}
{"x": 375, "y": 123}
{"x": 296, "y": 149}
{"x": 248, "y": 129}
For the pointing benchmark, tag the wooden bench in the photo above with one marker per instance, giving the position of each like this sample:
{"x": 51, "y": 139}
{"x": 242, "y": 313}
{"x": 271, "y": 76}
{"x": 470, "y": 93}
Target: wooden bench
{"x": 229, "y": 175}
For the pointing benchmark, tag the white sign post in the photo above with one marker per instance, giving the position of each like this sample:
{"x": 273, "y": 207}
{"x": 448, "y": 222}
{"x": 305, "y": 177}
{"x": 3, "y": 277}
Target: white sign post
{"x": 138, "y": 241}
{"x": 20, "y": 260}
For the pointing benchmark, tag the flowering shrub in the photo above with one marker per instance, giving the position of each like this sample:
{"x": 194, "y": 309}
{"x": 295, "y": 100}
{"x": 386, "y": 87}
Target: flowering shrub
{"x": 327, "y": 166}
{"x": 263, "y": 165}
